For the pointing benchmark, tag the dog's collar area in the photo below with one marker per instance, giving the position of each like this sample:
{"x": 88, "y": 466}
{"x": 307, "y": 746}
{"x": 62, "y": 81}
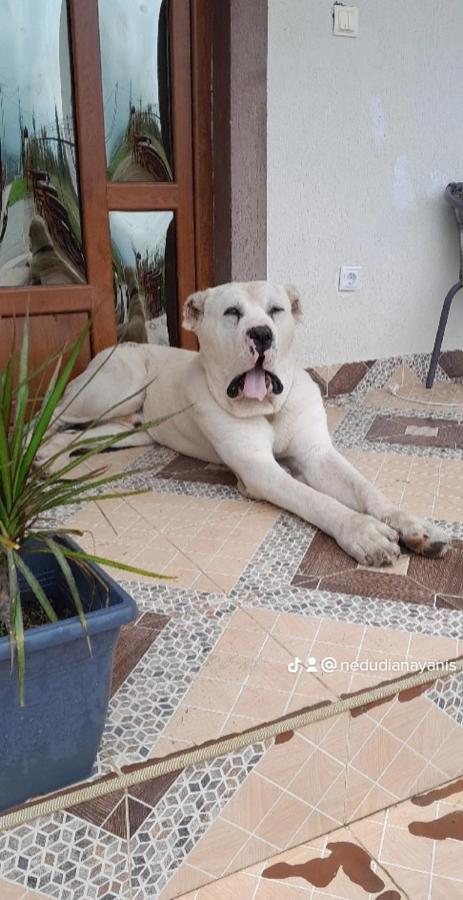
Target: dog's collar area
{"x": 45, "y": 249}
{"x": 237, "y": 386}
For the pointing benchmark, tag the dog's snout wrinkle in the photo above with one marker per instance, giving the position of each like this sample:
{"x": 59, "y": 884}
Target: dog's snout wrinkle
{"x": 262, "y": 337}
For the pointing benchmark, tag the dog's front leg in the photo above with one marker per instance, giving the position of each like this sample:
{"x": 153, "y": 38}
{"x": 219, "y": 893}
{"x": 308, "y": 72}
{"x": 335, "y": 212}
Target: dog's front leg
{"x": 327, "y": 471}
{"x": 368, "y": 540}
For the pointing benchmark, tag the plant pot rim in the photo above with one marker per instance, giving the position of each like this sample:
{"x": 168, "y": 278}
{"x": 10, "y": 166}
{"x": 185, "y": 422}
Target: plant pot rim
{"x": 41, "y": 637}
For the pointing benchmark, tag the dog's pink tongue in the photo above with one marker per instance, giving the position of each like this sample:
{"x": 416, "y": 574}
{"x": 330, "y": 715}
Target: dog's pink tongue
{"x": 254, "y": 385}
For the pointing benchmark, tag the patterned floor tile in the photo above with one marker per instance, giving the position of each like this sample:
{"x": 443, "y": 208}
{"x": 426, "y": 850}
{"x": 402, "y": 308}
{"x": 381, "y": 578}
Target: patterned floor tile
{"x": 260, "y": 602}
{"x": 199, "y": 542}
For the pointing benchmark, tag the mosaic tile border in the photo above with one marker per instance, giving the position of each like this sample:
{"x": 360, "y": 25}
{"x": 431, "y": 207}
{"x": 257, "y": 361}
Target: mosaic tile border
{"x": 351, "y": 432}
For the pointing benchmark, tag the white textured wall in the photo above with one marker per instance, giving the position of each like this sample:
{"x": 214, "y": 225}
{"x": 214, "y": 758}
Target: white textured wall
{"x": 363, "y": 136}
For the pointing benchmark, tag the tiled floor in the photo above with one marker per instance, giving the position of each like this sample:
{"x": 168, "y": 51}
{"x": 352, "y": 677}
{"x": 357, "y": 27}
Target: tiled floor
{"x": 261, "y": 617}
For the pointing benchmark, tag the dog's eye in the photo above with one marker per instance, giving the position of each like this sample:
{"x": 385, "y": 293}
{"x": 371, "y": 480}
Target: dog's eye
{"x": 233, "y": 311}
{"x": 274, "y": 310}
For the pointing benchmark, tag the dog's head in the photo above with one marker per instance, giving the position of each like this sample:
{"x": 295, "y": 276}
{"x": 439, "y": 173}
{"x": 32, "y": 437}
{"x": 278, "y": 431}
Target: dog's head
{"x": 39, "y": 236}
{"x": 246, "y": 332}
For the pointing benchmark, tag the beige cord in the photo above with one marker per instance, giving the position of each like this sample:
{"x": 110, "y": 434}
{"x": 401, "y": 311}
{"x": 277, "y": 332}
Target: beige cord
{"x": 219, "y": 747}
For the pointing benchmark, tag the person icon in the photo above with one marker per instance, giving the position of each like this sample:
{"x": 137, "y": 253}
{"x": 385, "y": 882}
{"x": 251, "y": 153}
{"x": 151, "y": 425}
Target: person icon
{"x": 311, "y": 664}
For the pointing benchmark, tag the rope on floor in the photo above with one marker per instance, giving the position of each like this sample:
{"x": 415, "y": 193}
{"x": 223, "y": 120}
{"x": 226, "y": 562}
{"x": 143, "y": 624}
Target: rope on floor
{"x": 223, "y": 746}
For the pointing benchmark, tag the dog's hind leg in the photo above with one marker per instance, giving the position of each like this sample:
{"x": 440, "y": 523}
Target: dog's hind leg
{"x": 63, "y": 445}
{"x": 113, "y": 385}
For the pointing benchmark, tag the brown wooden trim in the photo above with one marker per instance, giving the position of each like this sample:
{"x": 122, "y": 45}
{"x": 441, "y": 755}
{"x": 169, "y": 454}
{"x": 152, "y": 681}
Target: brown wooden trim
{"x": 142, "y": 196}
{"x": 92, "y": 166}
{"x": 221, "y": 139}
{"x": 248, "y": 126}
{"x": 183, "y": 162}
{"x": 201, "y": 44}
{"x": 43, "y": 299}
{"x": 239, "y": 119}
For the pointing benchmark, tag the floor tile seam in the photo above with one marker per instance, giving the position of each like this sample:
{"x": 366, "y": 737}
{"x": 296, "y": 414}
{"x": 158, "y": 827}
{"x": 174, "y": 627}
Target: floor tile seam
{"x": 403, "y": 744}
{"x": 380, "y": 866}
{"x": 211, "y": 579}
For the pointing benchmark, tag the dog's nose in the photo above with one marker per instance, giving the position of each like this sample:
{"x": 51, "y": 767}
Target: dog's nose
{"x": 262, "y": 337}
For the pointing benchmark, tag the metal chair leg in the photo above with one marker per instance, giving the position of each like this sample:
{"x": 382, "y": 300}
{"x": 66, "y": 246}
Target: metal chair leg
{"x": 440, "y": 332}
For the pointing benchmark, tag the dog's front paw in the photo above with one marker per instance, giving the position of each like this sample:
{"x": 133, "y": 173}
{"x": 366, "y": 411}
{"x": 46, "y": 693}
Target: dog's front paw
{"x": 369, "y": 541}
{"x": 420, "y": 535}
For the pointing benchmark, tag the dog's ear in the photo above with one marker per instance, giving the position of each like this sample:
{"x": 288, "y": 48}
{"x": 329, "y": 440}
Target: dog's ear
{"x": 295, "y": 299}
{"x": 193, "y": 310}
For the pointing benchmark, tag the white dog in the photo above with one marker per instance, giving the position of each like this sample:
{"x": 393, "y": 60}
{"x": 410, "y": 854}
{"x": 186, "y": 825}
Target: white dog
{"x": 244, "y": 403}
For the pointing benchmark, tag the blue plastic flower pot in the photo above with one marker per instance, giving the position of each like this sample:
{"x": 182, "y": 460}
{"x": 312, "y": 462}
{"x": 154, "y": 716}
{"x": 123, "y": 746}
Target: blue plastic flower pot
{"x": 53, "y": 740}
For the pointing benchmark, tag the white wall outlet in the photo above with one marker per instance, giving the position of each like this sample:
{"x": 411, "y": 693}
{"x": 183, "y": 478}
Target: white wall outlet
{"x": 350, "y": 278}
{"x": 345, "y": 20}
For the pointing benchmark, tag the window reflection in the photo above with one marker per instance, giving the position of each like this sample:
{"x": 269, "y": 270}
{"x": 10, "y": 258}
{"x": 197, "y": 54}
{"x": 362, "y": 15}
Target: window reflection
{"x": 145, "y": 283}
{"x": 40, "y": 227}
{"x": 136, "y": 92}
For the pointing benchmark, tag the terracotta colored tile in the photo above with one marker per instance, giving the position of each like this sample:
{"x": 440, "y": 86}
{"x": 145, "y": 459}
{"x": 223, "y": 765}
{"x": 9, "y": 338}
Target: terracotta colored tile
{"x": 344, "y": 633}
{"x": 227, "y": 667}
{"x": 315, "y": 779}
{"x": 250, "y": 619}
{"x": 208, "y": 693}
{"x": 271, "y": 676}
{"x": 217, "y": 847}
{"x": 236, "y": 724}
{"x": 258, "y": 701}
{"x": 239, "y": 885}
{"x": 376, "y": 754}
{"x": 186, "y": 878}
{"x": 11, "y": 891}
{"x": 425, "y": 647}
{"x": 282, "y": 821}
{"x": 431, "y": 733}
{"x": 281, "y": 762}
{"x": 368, "y": 832}
{"x": 251, "y": 803}
{"x": 268, "y": 890}
{"x": 363, "y": 797}
{"x": 254, "y": 851}
{"x": 445, "y": 888}
{"x": 450, "y": 753}
{"x": 246, "y": 643}
{"x": 402, "y": 849}
{"x": 297, "y": 625}
{"x": 329, "y": 735}
{"x": 195, "y": 725}
{"x": 386, "y": 640}
{"x": 413, "y": 883}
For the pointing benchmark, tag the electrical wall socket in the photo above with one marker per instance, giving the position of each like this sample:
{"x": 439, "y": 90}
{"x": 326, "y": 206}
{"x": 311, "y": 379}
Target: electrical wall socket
{"x": 350, "y": 278}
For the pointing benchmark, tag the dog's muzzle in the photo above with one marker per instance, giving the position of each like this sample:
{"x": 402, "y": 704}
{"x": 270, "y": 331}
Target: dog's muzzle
{"x": 254, "y": 384}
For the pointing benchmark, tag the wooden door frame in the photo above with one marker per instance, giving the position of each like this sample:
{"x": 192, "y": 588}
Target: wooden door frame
{"x": 189, "y": 196}
{"x": 226, "y": 50}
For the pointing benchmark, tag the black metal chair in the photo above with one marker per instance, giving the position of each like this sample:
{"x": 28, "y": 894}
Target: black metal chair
{"x": 454, "y": 196}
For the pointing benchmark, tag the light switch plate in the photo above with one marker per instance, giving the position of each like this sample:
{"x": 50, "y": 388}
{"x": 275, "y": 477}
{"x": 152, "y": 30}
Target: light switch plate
{"x": 345, "y": 20}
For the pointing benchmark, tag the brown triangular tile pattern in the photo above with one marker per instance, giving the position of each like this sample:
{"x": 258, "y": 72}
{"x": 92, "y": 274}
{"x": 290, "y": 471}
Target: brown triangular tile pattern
{"x": 184, "y": 468}
{"x": 342, "y": 379}
{"x": 451, "y": 361}
{"x": 109, "y": 811}
{"x": 134, "y": 641}
{"x": 326, "y": 567}
{"x": 416, "y": 431}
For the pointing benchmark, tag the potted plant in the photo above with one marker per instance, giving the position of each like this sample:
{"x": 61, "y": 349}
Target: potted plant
{"x": 60, "y": 614}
